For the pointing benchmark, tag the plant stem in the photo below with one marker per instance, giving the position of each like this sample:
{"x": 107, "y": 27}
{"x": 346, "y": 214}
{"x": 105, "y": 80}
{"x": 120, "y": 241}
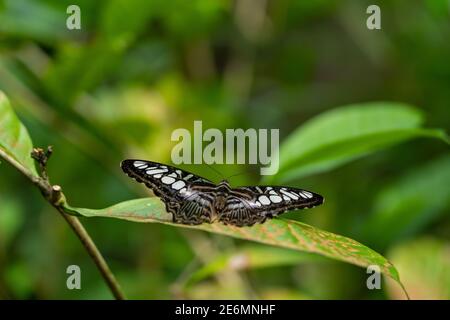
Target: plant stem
{"x": 95, "y": 254}
{"x": 55, "y": 197}
{"x": 16, "y": 164}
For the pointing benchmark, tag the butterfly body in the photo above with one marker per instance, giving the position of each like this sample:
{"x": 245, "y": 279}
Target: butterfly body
{"x": 194, "y": 200}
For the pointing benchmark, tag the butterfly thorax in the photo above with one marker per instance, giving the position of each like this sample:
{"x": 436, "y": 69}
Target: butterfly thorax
{"x": 223, "y": 186}
{"x": 220, "y": 199}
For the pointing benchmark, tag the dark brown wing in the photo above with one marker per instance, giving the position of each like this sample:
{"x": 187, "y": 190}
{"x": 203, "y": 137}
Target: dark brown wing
{"x": 249, "y": 205}
{"x": 184, "y": 194}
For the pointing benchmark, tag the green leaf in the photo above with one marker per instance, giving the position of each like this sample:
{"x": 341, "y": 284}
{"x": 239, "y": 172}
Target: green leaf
{"x": 277, "y": 232}
{"x": 347, "y": 133}
{"x": 14, "y": 139}
{"x": 37, "y": 20}
{"x": 251, "y": 257}
{"x": 410, "y": 203}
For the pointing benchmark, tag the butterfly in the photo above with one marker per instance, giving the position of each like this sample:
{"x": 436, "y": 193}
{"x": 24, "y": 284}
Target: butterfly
{"x": 194, "y": 200}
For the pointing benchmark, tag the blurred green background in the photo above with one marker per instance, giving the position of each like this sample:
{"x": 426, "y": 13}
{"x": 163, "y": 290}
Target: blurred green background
{"x": 139, "y": 69}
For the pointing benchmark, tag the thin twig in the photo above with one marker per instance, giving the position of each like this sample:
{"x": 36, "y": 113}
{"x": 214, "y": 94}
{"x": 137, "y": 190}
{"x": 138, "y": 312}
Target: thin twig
{"x": 40, "y": 183}
{"x": 56, "y": 198}
{"x": 95, "y": 254}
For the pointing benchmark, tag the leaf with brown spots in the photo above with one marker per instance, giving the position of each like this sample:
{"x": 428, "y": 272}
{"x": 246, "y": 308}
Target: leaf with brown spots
{"x": 277, "y": 232}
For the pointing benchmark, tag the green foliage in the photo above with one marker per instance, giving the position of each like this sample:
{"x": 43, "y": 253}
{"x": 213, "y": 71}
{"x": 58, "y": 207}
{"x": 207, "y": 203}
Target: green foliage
{"x": 18, "y": 17}
{"x": 10, "y": 221}
{"x": 408, "y": 205}
{"x": 250, "y": 257}
{"x": 344, "y": 134}
{"x": 14, "y": 138}
{"x": 137, "y": 70}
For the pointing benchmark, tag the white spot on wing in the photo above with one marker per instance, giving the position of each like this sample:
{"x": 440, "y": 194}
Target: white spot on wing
{"x": 156, "y": 171}
{"x": 308, "y": 194}
{"x": 289, "y": 194}
{"x": 138, "y": 163}
{"x": 275, "y": 199}
{"x": 303, "y": 195}
{"x": 264, "y": 200}
{"x": 167, "y": 180}
{"x": 178, "y": 185}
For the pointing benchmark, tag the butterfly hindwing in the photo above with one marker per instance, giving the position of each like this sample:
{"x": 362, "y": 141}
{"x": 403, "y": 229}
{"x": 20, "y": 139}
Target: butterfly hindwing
{"x": 255, "y": 204}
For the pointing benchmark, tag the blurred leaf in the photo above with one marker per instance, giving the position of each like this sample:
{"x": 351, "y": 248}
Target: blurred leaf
{"x": 425, "y": 268}
{"x": 11, "y": 219}
{"x": 204, "y": 291}
{"x": 344, "y": 134}
{"x": 123, "y": 33}
{"x": 92, "y": 64}
{"x": 278, "y": 232}
{"x": 283, "y": 294}
{"x": 251, "y": 257}
{"x": 191, "y": 19}
{"x": 14, "y": 139}
{"x": 410, "y": 203}
{"x": 19, "y": 277}
{"x": 439, "y": 8}
{"x": 33, "y": 19}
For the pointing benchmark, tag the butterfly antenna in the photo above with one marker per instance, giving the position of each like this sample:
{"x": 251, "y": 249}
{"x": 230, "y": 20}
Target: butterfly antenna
{"x": 238, "y": 174}
{"x": 216, "y": 171}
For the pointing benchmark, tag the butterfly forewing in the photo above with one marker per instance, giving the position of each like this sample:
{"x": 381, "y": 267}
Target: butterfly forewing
{"x": 183, "y": 193}
{"x": 163, "y": 179}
